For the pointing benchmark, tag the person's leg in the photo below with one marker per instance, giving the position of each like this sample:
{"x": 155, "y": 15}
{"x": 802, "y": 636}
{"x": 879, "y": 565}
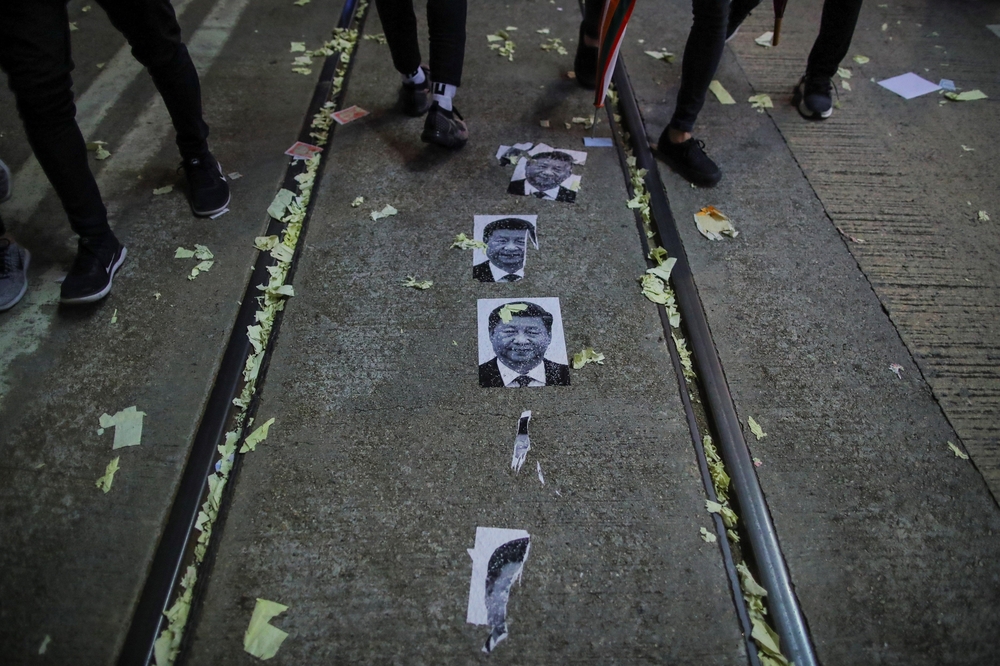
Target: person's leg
{"x": 399, "y": 23}
{"x": 836, "y": 29}
{"x": 702, "y": 54}
{"x": 446, "y": 25}
{"x": 585, "y": 63}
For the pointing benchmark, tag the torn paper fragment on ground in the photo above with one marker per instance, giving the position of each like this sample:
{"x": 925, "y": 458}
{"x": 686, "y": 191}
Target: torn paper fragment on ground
{"x": 511, "y": 154}
{"x": 761, "y": 102}
{"x": 967, "y": 96}
{"x": 413, "y": 283}
{"x": 766, "y": 40}
{"x": 104, "y": 483}
{"x": 497, "y": 562}
{"x": 128, "y": 427}
{"x": 959, "y": 453}
{"x": 664, "y": 55}
{"x": 598, "y": 142}
{"x": 463, "y": 242}
{"x": 302, "y": 151}
{"x": 45, "y": 644}
{"x": 257, "y": 436}
{"x": 166, "y": 189}
{"x": 707, "y": 536}
{"x": 387, "y": 211}
{"x": 713, "y": 225}
{"x": 280, "y": 203}
{"x": 982, "y": 216}
{"x": 721, "y": 93}
{"x": 538, "y": 468}
{"x": 755, "y": 428}
{"x": 897, "y": 370}
{"x": 587, "y": 355}
{"x": 909, "y": 85}
{"x": 522, "y": 443}
{"x": 350, "y": 113}
{"x": 261, "y": 639}
{"x": 547, "y": 173}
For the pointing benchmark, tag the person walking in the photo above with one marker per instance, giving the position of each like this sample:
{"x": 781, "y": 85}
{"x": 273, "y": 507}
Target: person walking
{"x": 35, "y": 56}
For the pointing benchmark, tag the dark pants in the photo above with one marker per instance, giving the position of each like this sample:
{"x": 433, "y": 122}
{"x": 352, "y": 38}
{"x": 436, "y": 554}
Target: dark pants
{"x": 35, "y": 55}
{"x": 446, "y": 25}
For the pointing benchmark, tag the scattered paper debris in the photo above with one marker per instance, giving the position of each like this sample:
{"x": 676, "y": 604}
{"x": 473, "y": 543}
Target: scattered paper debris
{"x": 947, "y": 84}
{"x": 73, "y": 27}
{"x": 301, "y": 3}
{"x": 104, "y": 483}
{"x": 982, "y": 216}
{"x": 586, "y": 121}
{"x": 234, "y": 175}
{"x": 721, "y": 93}
{"x": 598, "y": 142}
{"x": 885, "y": 26}
{"x": 766, "y": 40}
{"x": 909, "y": 85}
{"x": 538, "y": 468}
{"x": 257, "y": 436}
{"x": 501, "y": 42}
{"x": 544, "y": 123}
{"x": 995, "y": 29}
{"x": 203, "y": 267}
{"x": 845, "y": 85}
{"x": 304, "y": 71}
{"x": 85, "y": 8}
{"x": 97, "y": 147}
{"x": 114, "y": 316}
{"x": 543, "y": 31}
{"x": 261, "y": 639}
{"x": 707, "y": 536}
{"x": 497, "y": 562}
{"x": 554, "y": 44}
{"x": 861, "y": 60}
{"x": 302, "y": 151}
{"x": 127, "y": 424}
{"x": 350, "y": 113}
{"x": 463, "y": 242}
{"x": 45, "y": 644}
{"x": 713, "y": 225}
{"x": 166, "y": 189}
{"x": 757, "y": 462}
{"x": 379, "y": 38}
{"x": 843, "y": 72}
{"x": 967, "y": 96}
{"x": 297, "y": 47}
{"x": 386, "y": 211}
{"x": 280, "y": 203}
{"x": 755, "y": 428}
{"x": 587, "y": 355}
{"x": 411, "y": 281}
{"x": 522, "y": 443}
{"x": 664, "y": 55}
{"x": 357, "y": 202}
{"x": 958, "y": 452}
{"x": 507, "y": 312}
{"x": 897, "y": 370}
{"x": 761, "y": 102}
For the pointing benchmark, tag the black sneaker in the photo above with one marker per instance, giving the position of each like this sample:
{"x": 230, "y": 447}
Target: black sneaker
{"x": 689, "y": 160}
{"x": 5, "y": 182}
{"x": 813, "y": 97}
{"x": 207, "y": 187}
{"x": 585, "y": 64}
{"x": 739, "y": 10}
{"x": 445, "y": 128}
{"x": 89, "y": 279}
{"x": 415, "y": 98}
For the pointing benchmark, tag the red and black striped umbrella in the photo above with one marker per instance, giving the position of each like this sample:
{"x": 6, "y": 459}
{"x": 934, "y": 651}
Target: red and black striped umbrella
{"x": 613, "y": 21}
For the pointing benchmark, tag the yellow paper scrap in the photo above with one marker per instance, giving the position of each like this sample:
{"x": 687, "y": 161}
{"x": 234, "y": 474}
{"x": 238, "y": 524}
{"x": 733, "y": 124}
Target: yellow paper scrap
{"x": 843, "y": 72}
{"x": 664, "y": 55}
{"x": 766, "y": 40}
{"x": 761, "y": 101}
{"x": 967, "y": 96}
{"x": 659, "y": 255}
{"x": 380, "y": 38}
{"x": 713, "y": 225}
{"x": 203, "y": 267}
{"x": 280, "y": 202}
{"x": 257, "y": 436}
{"x": 861, "y": 60}
{"x": 385, "y": 212}
{"x": 182, "y": 253}
{"x": 301, "y": 3}
{"x": 265, "y": 243}
{"x": 127, "y": 424}
{"x": 98, "y": 148}
{"x": 411, "y": 281}
{"x": 586, "y": 121}
{"x": 542, "y": 31}
{"x": 507, "y": 312}
{"x": 755, "y": 428}
{"x": 845, "y": 85}
{"x": 114, "y": 316}
{"x": 587, "y": 355}
{"x": 305, "y": 71}
{"x": 72, "y": 26}
{"x": 721, "y": 93}
{"x": 357, "y": 202}
{"x": 663, "y": 270}
{"x": 202, "y": 252}
{"x": 45, "y": 644}
{"x": 104, "y": 483}
{"x": 166, "y": 189}
{"x": 544, "y": 123}
{"x": 707, "y": 536}
{"x": 85, "y": 8}
{"x": 554, "y": 44}
{"x": 261, "y": 639}
{"x": 747, "y": 582}
{"x": 297, "y": 47}
{"x": 982, "y": 216}
{"x": 463, "y": 242}
{"x": 958, "y": 452}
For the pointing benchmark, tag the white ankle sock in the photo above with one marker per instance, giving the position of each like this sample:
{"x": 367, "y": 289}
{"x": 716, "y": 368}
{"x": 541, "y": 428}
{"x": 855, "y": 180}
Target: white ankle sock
{"x": 443, "y": 93}
{"x": 416, "y": 78}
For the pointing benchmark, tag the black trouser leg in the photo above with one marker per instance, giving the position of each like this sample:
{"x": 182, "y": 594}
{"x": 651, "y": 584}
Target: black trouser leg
{"x": 400, "y": 26}
{"x": 836, "y": 29}
{"x": 35, "y": 55}
{"x": 446, "y": 25}
{"x": 151, "y": 28}
{"x": 592, "y": 10}
{"x": 702, "y": 54}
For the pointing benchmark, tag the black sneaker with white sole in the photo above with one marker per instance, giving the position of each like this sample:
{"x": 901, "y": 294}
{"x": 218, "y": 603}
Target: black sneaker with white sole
{"x": 415, "y": 98}
{"x": 207, "y": 186}
{"x": 813, "y": 97}
{"x": 689, "y": 160}
{"x": 445, "y": 128}
{"x": 93, "y": 270}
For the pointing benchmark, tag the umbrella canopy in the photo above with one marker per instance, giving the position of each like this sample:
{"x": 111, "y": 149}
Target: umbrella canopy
{"x": 613, "y": 21}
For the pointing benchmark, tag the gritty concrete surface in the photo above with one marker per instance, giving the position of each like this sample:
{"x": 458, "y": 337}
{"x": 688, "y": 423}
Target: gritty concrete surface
{"x": 72, "y": 558}
{"x": 386, "y": 454}
{"x": 890, "y": 539}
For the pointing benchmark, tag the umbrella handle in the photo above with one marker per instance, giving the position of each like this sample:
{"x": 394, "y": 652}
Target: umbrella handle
{"x": 777, "y": 31}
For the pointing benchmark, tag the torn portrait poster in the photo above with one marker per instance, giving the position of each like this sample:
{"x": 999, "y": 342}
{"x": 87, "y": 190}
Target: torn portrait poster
{"x": 506, "y": 238}
{"x": 521, "y": 343}
{"x": 547, "y": 173}
{"x": 512, "y": 154}
{"x": 497, "y": 562}
{"x": 522, "y": 443}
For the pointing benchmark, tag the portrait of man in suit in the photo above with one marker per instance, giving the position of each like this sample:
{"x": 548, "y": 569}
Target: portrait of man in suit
{"x": 506, "y": 240}
{"x": 520, "y": 335}
{"x": 547, "y": 173}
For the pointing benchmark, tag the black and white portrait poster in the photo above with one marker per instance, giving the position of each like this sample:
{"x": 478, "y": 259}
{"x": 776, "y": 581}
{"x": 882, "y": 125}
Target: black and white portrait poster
{"x": 506, "y": 238}
{"x": 521, "y": 343}
{"x": 546, "y": 173}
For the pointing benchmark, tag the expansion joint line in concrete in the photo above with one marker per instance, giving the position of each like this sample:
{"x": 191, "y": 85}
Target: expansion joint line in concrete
{"x": 177, "y": 576}
{"x": 764, "y": 549}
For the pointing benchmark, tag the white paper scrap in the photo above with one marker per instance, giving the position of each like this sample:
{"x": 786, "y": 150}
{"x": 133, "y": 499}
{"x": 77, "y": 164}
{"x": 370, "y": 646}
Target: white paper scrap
{"x": 995, "y": 29}
{"x": 909, "y": 85}
{"x": 522, "y": 443}
{"x": 598, "y": 142}
{"x": 128, "y": 427}
{"x": 497, "y": 561}
{"x": 538, "y": 468}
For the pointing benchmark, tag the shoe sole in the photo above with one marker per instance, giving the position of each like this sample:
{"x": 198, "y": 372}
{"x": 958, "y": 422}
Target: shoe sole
{"x": 210, "y": 213}
{"x": 24, "y": 288}
{"x": 90, "y": 298}
{"x": 799, "y": 102}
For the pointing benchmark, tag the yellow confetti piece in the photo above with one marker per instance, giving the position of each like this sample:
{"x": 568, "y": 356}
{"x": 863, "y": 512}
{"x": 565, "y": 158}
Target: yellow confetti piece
{"x": 587, "y": 355}
{"x": 721, "y": 93}
{"x": 707, "y": 536}
{"x": 967, "y": 96}
{"x": 507, "y": 312}
{"x": 761, "y": 101}
{"x": 412, "y": 282}
{"x": 261, "y": 639}
{"x": 257, "y": 436}
{"x": 463, "y": 242}
{"x": 166, "y": 189}
{"x": 755, "y": 428}
{"x": 104, "y": 483}
{"x": 958, "y": 452}
{"x": 861, "y": 60}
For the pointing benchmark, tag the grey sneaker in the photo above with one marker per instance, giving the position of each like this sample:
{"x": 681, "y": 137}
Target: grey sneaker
{"x": 5, "y": 180}
{"x": 14, "y": 261}
{"x": 445, "y": 128}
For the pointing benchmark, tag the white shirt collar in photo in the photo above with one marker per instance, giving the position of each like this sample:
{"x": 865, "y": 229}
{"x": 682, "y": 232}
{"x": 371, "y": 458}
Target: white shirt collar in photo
{"x": 551, "y": 194}
{"x": 537, "y": 375}
{"x": 498, "y": 273}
